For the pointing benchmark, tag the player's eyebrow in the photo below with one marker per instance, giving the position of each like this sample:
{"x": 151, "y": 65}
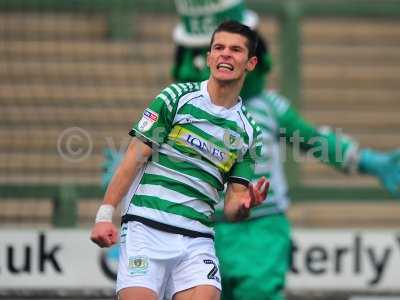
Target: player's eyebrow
{"x": 218, "y": 45}
{"x": 237, "y": 47}
{"x": 232, "y": 47}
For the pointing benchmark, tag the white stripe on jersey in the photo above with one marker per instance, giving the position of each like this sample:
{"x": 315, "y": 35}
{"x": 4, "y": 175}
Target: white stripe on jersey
{"x": 174, "y": 196}
{"x": 201, "y": 186}
{"x": 166, "y": 101}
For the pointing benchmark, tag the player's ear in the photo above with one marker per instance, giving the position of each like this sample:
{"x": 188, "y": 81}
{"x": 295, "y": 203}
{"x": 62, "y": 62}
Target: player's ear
{"x": 208, "y": 58}
{"x": 251, "y": 63}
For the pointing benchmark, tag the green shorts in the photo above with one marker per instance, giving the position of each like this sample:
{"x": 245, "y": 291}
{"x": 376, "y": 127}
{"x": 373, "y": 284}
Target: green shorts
{"x": 254, "y": 258}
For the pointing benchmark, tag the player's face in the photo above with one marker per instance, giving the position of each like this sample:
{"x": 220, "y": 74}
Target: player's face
{"x": 228, "y": 57}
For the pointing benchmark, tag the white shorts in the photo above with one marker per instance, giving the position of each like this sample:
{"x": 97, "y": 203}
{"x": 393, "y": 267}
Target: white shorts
{"x": 165, "y": 262}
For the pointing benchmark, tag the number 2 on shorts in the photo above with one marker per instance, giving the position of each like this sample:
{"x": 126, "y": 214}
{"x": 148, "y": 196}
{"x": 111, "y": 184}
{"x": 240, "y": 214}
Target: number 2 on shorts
{"x": 214, "y": 270}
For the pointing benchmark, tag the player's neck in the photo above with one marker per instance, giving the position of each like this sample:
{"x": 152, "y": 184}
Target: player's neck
{"x": 224, "y": 93}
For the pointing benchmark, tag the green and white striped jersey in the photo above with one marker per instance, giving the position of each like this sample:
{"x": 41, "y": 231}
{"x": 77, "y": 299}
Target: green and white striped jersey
{"x": 267, "y": 108}
{"x": 198, "y": 147}
{"x": 281, "y": 124}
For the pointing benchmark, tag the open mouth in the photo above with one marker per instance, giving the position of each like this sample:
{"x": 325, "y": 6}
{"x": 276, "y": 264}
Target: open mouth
{"x": 225, "y": 66}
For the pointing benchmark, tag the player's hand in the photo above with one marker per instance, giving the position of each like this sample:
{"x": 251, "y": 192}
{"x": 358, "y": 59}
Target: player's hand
{"x": 104, "y": 234}
{"x": 257, "y": 194}
{"x": 112, "y": 158}
{"x": 384, "y": 165}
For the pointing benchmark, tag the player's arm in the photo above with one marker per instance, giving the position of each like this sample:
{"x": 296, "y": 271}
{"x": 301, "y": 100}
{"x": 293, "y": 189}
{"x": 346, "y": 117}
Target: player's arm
{"x": 337, "y": 149}
{"x": 136, "y": 156}
{"x": 328, "y": 146}
{"x": 239, "y": 199}
{"x": 241, "y": 194}
{"x": 340, "y": 151}
{"x": 149, "y": 132}
{"x": 104, "y": 232}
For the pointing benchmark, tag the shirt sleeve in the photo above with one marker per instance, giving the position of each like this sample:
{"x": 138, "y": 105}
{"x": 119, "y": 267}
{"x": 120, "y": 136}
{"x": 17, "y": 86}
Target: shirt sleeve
{"x": 244, "y": 170}
{"x": 156, "y": 121}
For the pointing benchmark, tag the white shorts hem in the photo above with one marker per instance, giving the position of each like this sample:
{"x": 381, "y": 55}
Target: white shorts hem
{"x": 194, "y": 284}
{"x": 133, "y": 285}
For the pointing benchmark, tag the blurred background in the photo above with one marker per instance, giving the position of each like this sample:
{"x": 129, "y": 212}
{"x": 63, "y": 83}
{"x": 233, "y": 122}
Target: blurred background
{"x": 76, "y": 74}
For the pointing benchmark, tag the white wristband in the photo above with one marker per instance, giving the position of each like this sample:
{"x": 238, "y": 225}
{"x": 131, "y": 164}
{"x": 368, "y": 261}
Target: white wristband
{"x": 105, "y": 213}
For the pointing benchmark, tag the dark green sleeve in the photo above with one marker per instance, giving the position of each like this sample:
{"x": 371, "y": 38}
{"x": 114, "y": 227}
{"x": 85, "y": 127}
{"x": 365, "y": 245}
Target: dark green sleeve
{"x": 244, "y": 169}
{"x": 329, "y": 146}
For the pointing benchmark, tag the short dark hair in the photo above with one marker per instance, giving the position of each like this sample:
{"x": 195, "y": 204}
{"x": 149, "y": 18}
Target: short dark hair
{"x": 239, "y": 28}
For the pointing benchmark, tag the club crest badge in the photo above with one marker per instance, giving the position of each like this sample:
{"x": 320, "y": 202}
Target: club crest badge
{"x": 138, "y": 265}
{"x": 232, "y": 139}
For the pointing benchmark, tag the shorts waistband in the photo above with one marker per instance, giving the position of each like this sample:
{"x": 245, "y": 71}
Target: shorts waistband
{"x": 165, "y": 227}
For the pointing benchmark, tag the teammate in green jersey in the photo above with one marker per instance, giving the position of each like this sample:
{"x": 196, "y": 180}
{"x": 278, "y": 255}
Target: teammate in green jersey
{"x": 192, "y": 140}
{"x": 257, "y": 271}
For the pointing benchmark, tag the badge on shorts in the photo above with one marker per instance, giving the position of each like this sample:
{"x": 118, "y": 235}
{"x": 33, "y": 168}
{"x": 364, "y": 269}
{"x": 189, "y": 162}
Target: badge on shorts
{"x": 138, "y": 265}
{"x": 148, "y": 119}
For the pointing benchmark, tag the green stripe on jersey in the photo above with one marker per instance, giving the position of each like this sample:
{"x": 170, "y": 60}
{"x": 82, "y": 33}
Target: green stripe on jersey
{"x": 171, "y": 207}
{"x": 159, "y": 102}
{"x": 198, "y": 113}
{"x": 189, "y": 169}
{"x": 176, "y": 186}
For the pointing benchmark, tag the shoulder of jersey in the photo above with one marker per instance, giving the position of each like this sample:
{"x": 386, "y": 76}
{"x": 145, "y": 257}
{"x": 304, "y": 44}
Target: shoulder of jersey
{"x": 177, "y": 90}
{"x": 172, "y": 93}
{"x": 250, "y": 119}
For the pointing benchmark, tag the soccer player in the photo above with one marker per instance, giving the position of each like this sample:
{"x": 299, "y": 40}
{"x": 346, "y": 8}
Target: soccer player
{"x": 191, "y": 140}
{"x": 257, "y": 270}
